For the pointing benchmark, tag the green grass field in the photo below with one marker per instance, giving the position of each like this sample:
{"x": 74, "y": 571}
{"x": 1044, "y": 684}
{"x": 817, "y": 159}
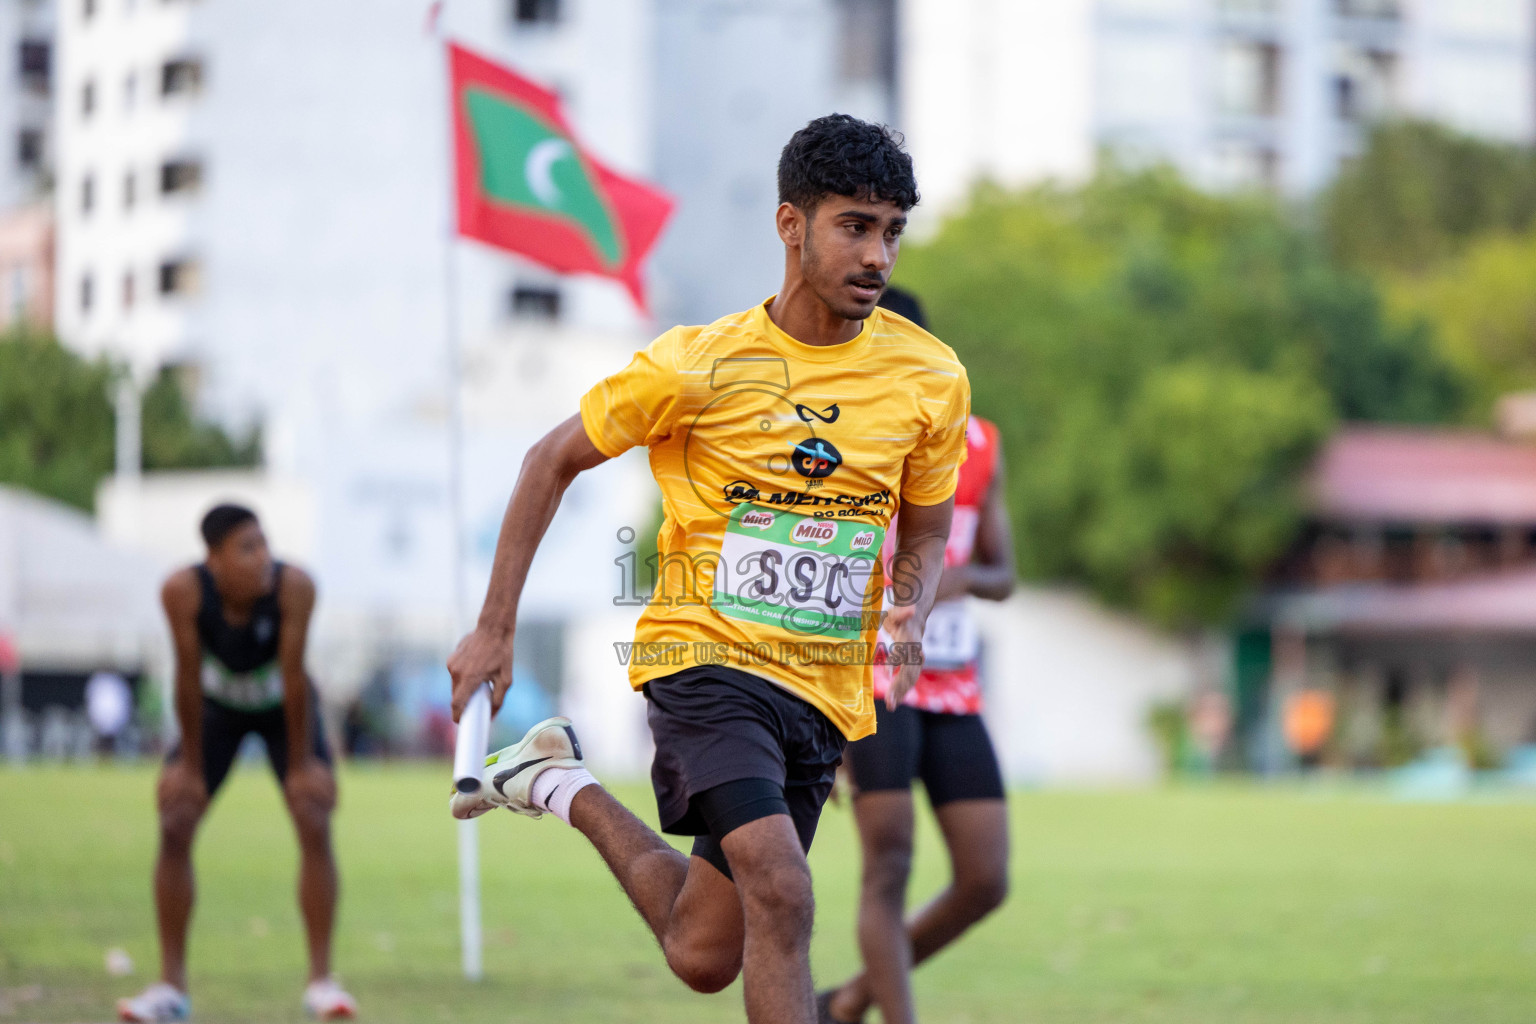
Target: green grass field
{"x": 1228, "y": 903}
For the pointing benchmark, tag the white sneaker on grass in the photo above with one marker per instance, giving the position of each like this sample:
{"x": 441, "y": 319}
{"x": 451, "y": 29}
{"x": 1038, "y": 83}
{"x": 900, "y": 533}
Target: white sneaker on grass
{"x": 158, "y": 1003}
{"x": 509, "y": 773}
{"x": 326, "y": 1000}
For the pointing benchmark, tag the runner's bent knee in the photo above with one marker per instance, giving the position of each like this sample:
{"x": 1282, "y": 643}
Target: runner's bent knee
{"x": 703, "y": 966}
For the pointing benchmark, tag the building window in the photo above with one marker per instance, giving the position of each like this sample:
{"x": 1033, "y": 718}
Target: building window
{"x": 88, "y": 98}
{"x": 536, "y": 12}
{"x": 1346, "y": 99}
{"x": 867, "y": 41}
{"x": 1249, "y": 79}
{"x": 19, "y": 287}
{"x": 127, "y": 289}
{"x": 177, "y": 176}
{"x": 181, "y": 77}
{"x": 36, "y": 59}
{"x": 535, "y": 302}
{"x": 29, "y": 148}
{"x": 1241, "y": 165}
{"x": 130, "y": 190}
{"x": 1365, "y": 84}
{"x": 87, "y": 193}
{"x": 179, "y": 277}
{"x": 1368, "y": 8}
{"x": 87, "y": 287}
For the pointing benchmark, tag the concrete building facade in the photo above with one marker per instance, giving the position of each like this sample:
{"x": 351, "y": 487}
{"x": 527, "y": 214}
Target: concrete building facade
{"x": 26, "y": 100}
{"x": 1235, "y": 93}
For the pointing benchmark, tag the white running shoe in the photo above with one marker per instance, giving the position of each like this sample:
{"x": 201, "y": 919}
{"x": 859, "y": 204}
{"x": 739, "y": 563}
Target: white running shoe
{"x": 326, "y": 1000}
{"x": 509, "y": 773}
{"x": 156, "y": 1004}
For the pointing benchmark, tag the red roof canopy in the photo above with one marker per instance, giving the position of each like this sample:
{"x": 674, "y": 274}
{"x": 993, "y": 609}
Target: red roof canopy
{"x": 1380, "y": 474}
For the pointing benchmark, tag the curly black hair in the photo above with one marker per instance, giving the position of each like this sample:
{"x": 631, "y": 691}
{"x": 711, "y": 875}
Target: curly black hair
{"x": 839, "y": 155}
{"x": 222, "y": 520}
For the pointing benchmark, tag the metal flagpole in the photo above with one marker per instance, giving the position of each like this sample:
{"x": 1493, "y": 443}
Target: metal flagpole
{"x": 470, "y": 933}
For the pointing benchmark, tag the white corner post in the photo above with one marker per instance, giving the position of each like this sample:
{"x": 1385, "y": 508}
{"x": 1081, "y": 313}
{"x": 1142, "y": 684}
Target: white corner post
{"x": 470, "y": 933}
{"x": 471, "y": 941}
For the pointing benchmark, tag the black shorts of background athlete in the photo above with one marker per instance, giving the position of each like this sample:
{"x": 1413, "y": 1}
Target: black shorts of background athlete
{"x": 224, "y": 728}
{"x": 951, "y": 754}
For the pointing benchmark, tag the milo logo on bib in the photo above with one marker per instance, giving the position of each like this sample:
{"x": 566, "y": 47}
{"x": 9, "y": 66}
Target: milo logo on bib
{"x": 812, "y": 577}
{"x": 760, "y": 520}
{"x": 814, "y": 531}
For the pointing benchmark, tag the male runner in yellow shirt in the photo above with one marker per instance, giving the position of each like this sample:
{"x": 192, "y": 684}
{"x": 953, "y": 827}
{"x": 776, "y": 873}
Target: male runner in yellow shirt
{"x": 784, "y": 439}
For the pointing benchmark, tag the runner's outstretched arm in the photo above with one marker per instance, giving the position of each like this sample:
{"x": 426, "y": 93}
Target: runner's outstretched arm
{"x": 916, "y": 568}
{"x": 548, "y": 469}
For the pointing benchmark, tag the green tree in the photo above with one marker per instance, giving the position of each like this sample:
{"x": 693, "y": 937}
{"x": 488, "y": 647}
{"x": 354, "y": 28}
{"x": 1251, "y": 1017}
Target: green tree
{"x": 1483, "y": 305}
{"x": 1421, "y": 192}
{"x": 57, "y": 423}
{"x": 174, "y": 438}
{"x": 1163, "y": 364}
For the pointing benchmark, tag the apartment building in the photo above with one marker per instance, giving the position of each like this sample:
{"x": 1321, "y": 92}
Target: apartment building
{"x": 1236, "y": 93}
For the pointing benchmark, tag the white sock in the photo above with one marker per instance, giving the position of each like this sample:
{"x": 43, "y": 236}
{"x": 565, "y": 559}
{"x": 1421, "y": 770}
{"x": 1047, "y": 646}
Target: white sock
{"x": 555, "y": 788}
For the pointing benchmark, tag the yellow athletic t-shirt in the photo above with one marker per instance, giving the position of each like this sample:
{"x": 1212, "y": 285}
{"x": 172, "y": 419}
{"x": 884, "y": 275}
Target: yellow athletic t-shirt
{"x": 781, "y": 465}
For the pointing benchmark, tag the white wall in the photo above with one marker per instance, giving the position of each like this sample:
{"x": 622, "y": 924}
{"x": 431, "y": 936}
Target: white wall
{"x": 1068, "y": 687}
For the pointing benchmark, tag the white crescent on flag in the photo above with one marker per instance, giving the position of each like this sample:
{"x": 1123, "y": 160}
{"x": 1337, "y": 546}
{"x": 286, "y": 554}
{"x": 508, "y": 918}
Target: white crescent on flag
{"x": 542, "y": 158}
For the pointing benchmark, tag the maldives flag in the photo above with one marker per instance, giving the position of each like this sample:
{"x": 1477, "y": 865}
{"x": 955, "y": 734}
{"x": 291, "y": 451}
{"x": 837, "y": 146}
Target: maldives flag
{"x": 526, "y": 185}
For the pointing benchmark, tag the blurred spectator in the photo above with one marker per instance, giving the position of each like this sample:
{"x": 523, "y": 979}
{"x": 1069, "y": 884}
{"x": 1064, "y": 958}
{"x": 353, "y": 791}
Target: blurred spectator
{"x": 1308, "y": 724}
{"x": 109, "y": 708}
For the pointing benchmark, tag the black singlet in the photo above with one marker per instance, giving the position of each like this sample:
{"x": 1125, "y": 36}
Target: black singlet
{"x": 240, "y": 649}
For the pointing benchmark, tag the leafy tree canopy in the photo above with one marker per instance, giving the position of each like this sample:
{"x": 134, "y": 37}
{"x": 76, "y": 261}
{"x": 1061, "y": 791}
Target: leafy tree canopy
{"x": 1446, "y": 223}
{"x": 1163, "y": 364}
{"x": 57, "y": 423}
{"x": 1420, "y": 192}
{"x": 1483, "y": 306}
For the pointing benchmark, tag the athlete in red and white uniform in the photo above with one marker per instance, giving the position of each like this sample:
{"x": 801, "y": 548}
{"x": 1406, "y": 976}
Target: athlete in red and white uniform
{"x": 949, "y": 683}
{"x": 935, "y": 735}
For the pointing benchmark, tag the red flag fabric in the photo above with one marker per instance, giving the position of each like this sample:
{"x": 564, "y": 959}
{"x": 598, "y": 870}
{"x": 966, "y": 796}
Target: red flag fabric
{"x": 525, "y": 184}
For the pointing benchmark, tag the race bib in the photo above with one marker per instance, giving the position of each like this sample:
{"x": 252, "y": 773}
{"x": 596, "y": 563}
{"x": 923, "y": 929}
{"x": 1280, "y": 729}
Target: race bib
{"x": 813, "y": 577}
{"x": 244, "y": 691}
{"x": 950, "y": 639}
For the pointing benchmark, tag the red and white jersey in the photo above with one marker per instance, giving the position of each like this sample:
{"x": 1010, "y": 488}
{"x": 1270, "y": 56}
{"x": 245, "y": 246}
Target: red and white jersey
{"x": 951, "y": 645}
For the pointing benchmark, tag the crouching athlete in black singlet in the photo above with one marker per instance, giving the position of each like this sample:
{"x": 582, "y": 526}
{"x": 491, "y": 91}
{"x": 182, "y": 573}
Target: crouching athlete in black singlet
{"x": 239, "y": 623}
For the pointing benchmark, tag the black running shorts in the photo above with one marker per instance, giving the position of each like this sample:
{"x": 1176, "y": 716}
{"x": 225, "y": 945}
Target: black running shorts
{"x": 732, "y": 747}
{"x": 225, "y": 727}
{"x": 952, "y": 754}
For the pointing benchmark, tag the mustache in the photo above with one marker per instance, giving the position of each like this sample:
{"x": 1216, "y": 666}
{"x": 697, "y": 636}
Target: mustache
{"x": 875, "y": 281}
